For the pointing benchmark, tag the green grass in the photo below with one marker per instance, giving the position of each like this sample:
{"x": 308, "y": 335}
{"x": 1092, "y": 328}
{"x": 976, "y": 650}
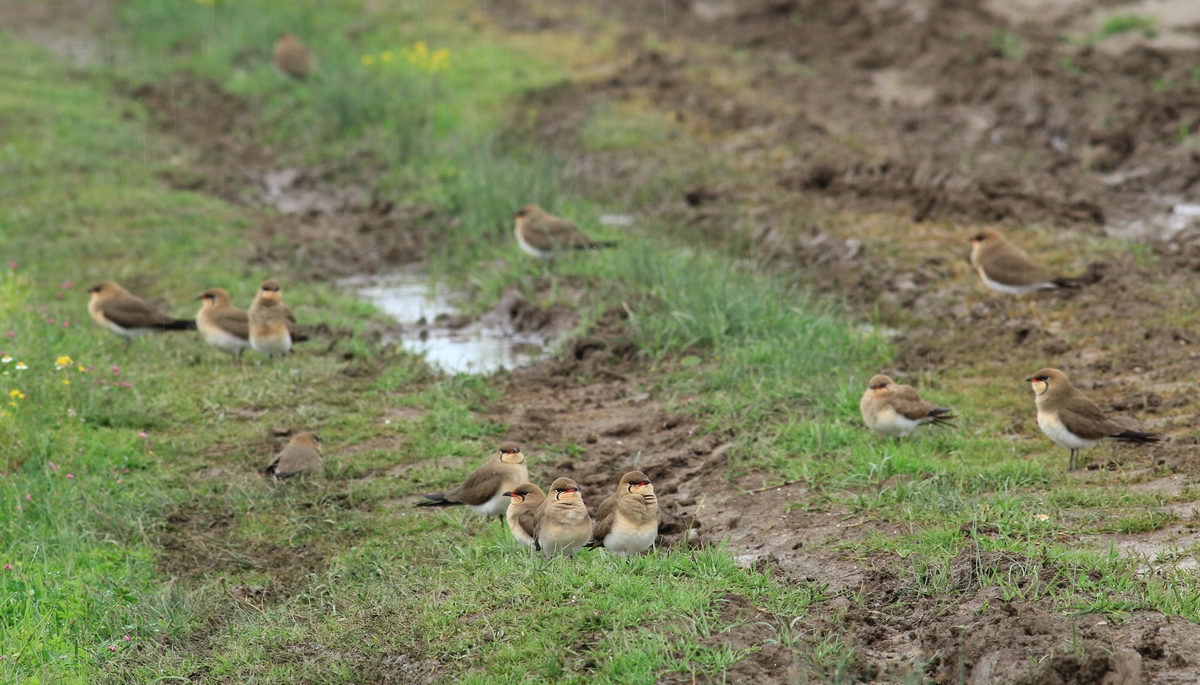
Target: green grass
{"x": 1124, "y": 23}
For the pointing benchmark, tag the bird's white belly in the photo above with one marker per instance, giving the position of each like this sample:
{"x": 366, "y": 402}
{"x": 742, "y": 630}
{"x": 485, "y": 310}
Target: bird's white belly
{"x": 223, "y": 341}
{"x": 1013, "y": 289}
{"x": 1054, "y": 429}
{"x": 626, "y": 539}
{"x": 531, "y": 250}
{"x": 564, "y": 540}
{"x": 276, "y": 344}
{"x": 893, "y": 425}
{"x": 496, "y": 506}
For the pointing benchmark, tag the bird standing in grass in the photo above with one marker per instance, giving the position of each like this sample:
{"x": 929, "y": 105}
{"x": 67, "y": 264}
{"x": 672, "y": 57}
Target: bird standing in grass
{"x": 627, "y": 521}
{"x": 485, "y": 489}
{"x": 223, "y": 326}
{"x": 1009, "y": 270}
{"x": 522, "y": 512}
{"x": 302, "y": 455}
{"x": 129, "y": 316}
{"x": 292, "y": 58}
{"x": 545, "y": 236}
{"x": 1073, "y": 421}
{"x": 271, "y": 322}
{"x": 896, "y": 410}
{"x": 563, "y": 524}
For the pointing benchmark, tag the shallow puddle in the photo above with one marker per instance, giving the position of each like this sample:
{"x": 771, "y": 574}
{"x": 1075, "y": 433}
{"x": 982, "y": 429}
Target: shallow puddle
{"x": 435, "y": 328}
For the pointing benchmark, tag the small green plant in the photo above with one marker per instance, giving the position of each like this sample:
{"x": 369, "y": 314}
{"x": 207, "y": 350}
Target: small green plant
{"x": 1009, "y": 45}
{"x": 1123, "y": 23}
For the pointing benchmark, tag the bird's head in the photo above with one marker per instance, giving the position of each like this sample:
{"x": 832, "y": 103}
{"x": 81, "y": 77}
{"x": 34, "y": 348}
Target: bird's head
{"x": 105, "y": 290}
{"x": 269, "y": 290}
{"x": 986, "y": 237}
{"x": 525, "y": 491}
{"x": 214, "y": 297}
{"x": 1048, "y": 382}
{"x": 565, "y": 490}
{"x": 637, "y": 483}
{"x": 879, "y": 385}
{"x": 510, "y": 453}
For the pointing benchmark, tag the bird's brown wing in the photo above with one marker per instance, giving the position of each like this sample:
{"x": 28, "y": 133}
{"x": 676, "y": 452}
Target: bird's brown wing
{"x": 292, "y": 460}
{"x": 552, "y": 233}
{"x": 132, "y": 312}
{"x": 291, "y": 316}
{"x": 528, "y": 520}
{"x": 1082, "y": 417}
{"x": 604, "y": 526}
{"x": 908, "y": 403}
{"x": 479, "y": 487}
{"x": 606, "y": 506}
{"x": 1012, "y": 266}
{"x": 233, "y": 321}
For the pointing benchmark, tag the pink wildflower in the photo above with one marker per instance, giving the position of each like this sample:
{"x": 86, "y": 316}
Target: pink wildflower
{"x": 142, "y": 434}
{"x": 68, "y": 284}
{"x": 8, "y": 567}
{"x": 50, "y": 320}
{"x": 10, "y": 334}
{"x": 28, "y": 497}
{"x": 53, "y": 466}
{"x": 127, "y": 638}
{"x": 112, "y": 648}
{"x": 70, "y": 475}
{"x": 66, "y": 324}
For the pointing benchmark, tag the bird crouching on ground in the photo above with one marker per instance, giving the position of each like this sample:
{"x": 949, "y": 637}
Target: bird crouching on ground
{"x": 129, "y": 316}
{"x": 223, "y": 326}
{"x": 302, "y": 455}
{"x": 484, "y": 490}
{"x": 547, "y": 237}
{"x": 563, "y": 524}
{"x": 627, "y": 521}
{"x": 272, "y": 324}
{"x": 292, "y": 58}
{"x": 521, "y": 516}
{"x": 1073, "y": 421}
{"x": 896, "y": 410}
{"x": 1008, "y": 269}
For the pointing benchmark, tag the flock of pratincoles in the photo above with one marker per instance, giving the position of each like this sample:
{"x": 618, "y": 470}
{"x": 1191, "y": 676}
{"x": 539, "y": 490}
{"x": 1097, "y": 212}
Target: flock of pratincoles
{"x": 557, "y": 522}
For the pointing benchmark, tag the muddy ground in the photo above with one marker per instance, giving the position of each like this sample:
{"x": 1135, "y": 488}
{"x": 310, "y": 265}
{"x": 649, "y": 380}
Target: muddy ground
{"x": 925, "y": 119}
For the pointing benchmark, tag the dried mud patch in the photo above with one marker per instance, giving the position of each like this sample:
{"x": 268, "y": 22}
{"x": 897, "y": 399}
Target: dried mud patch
{"x": 198, "y": 541}
{"x": 325, "y": 224}
{"x": 946, "y": 109}
{"x": 971, "y": 631}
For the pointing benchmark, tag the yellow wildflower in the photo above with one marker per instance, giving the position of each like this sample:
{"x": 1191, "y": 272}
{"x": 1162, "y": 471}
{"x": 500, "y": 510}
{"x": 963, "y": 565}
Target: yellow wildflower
{"x": 386, "y": 56}
{"x": 17, "y": 394}
{"x": 66, "y": 382}
{"x": 63, "y": 362}
{"x": 5, "y": 359}
{"x": 82, "y": 369}
{"x": 21, "y": 366}
{"x": 368, "y": 60}
{"x": 437, "y": 61}
{"x": 1042, "y": 517}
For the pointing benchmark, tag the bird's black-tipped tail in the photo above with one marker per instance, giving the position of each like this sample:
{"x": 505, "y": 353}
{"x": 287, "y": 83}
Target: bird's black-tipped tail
{"x": 1137, "y": 437}
{"x": 180, "y": 325}
{"x": 942, "y": 416}
{"x": 1092, "y": 275}
{"x": 601, "y": 245}
{"x": 594, "y": 544}
{"x": 437, "y": 500}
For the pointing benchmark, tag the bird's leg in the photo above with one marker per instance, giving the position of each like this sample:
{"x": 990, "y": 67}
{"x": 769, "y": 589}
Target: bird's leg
{"x": 1074, "y": 455}
{"x": 128, "y": 342}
